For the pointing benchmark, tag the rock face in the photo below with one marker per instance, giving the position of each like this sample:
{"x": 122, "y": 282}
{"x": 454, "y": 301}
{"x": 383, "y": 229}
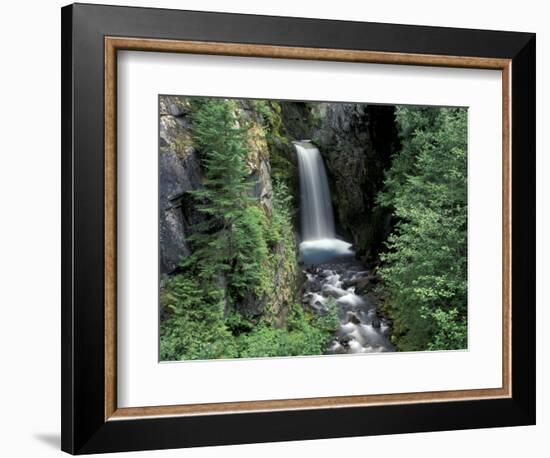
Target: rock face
{"x": 260, "y": 168}
{"x": 180, "y": 172}
{"x": 298, "y": 120}
{"x": 357, "y": 142}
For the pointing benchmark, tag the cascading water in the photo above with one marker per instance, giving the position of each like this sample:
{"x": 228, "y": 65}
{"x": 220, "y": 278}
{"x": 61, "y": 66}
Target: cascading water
{"x": 318, "y": 235}
{"x": 317, "y": 218}
{"x": 332, "y": 273}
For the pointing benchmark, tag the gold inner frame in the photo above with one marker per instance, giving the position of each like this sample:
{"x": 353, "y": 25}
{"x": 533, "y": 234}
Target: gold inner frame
{"x": 112, "y": 45}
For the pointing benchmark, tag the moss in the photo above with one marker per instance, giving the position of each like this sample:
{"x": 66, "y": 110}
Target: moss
{"x": 257, "y": 144}
{"x": 183, "y": 143}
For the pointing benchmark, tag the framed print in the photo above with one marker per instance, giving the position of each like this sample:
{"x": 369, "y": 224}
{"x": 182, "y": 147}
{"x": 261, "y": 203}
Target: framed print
{"x": 271, "y": 222}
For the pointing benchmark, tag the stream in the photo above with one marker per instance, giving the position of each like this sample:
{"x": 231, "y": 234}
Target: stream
{"x": 361, "y": 329}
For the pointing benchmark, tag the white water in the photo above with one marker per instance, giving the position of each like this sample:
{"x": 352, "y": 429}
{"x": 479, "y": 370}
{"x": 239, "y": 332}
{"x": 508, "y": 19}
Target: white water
{"x": 324, "y": 250}
{"x": 361, "y": 330}
{"x": 316, "y": 206}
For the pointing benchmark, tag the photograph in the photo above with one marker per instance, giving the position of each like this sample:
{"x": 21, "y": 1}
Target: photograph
{"x": 307, "y": 228}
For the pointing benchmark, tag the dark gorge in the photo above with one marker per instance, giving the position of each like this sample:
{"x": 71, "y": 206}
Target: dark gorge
{"x": 288, "y": 228}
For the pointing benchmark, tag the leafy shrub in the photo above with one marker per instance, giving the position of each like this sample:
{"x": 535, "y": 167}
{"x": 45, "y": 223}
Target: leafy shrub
{"x": 186, "y": 338}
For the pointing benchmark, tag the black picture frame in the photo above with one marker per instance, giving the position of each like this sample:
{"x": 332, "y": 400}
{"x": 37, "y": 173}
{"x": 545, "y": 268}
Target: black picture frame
{"x": 84, "y": 428}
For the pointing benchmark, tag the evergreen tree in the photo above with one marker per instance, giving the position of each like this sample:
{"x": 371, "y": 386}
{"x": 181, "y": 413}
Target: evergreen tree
{"x": 230, "y": 241}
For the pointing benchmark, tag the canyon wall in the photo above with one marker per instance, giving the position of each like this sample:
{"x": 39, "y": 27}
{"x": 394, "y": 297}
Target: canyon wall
{"x": 357, "y": 142}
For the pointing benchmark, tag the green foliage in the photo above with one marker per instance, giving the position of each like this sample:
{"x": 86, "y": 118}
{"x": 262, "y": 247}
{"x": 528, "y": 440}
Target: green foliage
{"x": 329, "y": 321}
{"x": 250, "y": 262}
{"x": 199, "y": 334}
{"x": 425, "y": 266}
{"x": 229, "y": 224}
{"x": 195, "y": 328}
{"x": 184, "y": 338}
{"x": 451, "y": 329}
{"x": 305, "y": 334}
{"x": 281, "y": 231}
{"x": 230, "y": 241}
{"x": 270, "y": 112}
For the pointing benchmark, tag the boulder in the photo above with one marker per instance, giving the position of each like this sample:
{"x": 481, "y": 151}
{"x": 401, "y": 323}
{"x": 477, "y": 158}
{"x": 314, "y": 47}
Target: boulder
{"x": 364, "y": 284}
{"x": 312, "y": 284}
{"x": 353, "y": 318}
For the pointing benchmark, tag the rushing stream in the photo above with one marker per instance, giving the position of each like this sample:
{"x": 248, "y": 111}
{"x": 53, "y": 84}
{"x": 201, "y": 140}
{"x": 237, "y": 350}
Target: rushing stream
{"x": 331, "y": 269}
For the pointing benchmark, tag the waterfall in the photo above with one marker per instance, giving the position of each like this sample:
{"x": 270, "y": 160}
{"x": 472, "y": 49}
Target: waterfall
{"x": 319, "y": 243}
{"x": 316, "y": 207}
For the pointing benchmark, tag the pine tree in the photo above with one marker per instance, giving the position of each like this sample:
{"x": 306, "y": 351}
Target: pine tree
{"x": 229, "y": 243}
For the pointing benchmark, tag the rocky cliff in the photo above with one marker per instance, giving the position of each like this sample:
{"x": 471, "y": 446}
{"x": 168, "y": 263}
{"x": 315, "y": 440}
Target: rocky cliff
{"x": 179, "y": 172}
{"x": 357, "y": 142}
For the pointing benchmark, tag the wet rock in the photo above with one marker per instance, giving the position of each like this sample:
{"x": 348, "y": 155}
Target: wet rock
{"x": 345, "y": 340}
{"x": 312, "y": 284}
{"x": 325, "y": 273}
{"x": 314, "y": 302}
{"x": 350, "y": 279}
{"x": 376, "y": 323}
{"x": 365, "y": 284}
{"x": 348, "y": 283}
{"x": 336, "y": 348}
{"x": 363, "y": 287}
{"x": 353, "y": 318}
